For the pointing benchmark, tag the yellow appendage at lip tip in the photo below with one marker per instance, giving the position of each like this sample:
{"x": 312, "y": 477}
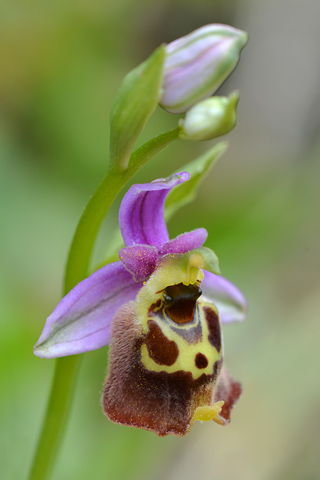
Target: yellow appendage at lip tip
{"x": 206, "y": 413}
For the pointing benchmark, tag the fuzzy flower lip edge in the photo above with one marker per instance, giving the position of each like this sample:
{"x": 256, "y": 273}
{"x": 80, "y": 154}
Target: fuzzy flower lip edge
{"x": 81, "y": 322}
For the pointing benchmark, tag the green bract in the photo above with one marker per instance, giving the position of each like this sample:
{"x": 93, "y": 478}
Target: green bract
{"x": 199, "y": 168}
{"x": 136, "y": 100}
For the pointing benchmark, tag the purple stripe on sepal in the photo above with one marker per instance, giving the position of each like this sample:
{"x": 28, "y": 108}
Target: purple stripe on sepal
{"x": 140, "y": 260}
{"x": 231, "y": 303}
{"x": 185, "y": 242}
{"x": 81, "y": 321}
{"x": 141, "y": 216}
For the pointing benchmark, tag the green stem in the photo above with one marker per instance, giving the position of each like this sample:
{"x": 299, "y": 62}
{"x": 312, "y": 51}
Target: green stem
{"x": 99, "y": 204}
{"x": 59, "y": 404}
{"x": 66, "y": 368}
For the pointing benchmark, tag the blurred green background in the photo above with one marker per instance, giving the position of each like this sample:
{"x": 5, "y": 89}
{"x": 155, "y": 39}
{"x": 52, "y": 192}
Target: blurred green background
{"x": 61, "y": 64}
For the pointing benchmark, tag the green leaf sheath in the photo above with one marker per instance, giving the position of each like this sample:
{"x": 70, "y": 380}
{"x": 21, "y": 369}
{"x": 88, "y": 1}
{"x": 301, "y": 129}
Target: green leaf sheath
{"x": 136, "y": 100}
{"x": 77, "y": 269}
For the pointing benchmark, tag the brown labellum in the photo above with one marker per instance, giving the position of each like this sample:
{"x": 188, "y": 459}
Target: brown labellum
{"x": 135, "y": 396}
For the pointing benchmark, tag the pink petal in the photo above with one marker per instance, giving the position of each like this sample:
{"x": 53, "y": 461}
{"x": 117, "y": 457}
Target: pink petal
{"x": 185, "y": 242}
{"x": 81, "y": 321}
{"x": 231, "y": 303}
{"x": 140, "y": 260}
{"x": 141, "y": 217}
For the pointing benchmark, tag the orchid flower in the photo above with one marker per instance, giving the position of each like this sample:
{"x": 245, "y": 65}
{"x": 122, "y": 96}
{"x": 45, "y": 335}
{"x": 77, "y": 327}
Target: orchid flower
{"x": 160, "y": 307}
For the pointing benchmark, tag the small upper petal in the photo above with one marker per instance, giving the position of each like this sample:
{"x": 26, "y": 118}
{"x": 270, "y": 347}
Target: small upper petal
{"x": 81, "y": 321}
{"x": 141, "y": 216}
{"x": 231, "y": 303}
{"x": 185, "y": 242}
{"x": 140, "y": 260}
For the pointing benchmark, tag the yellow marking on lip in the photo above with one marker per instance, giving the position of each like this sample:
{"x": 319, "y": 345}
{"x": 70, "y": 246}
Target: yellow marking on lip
{"x": 187, "y": 352}
{"x": 174, "y": 269}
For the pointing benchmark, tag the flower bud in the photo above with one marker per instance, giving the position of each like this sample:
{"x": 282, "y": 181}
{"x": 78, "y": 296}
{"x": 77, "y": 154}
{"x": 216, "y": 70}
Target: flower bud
{"x": 196, "y": 65}
{"x": 210, "y": 118}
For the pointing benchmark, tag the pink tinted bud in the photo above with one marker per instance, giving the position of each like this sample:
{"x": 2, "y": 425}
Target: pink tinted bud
{"x": 197, "y": 64}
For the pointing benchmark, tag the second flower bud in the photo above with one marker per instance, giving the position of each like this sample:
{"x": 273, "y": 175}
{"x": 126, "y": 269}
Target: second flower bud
{"x": 210, "y": 118}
